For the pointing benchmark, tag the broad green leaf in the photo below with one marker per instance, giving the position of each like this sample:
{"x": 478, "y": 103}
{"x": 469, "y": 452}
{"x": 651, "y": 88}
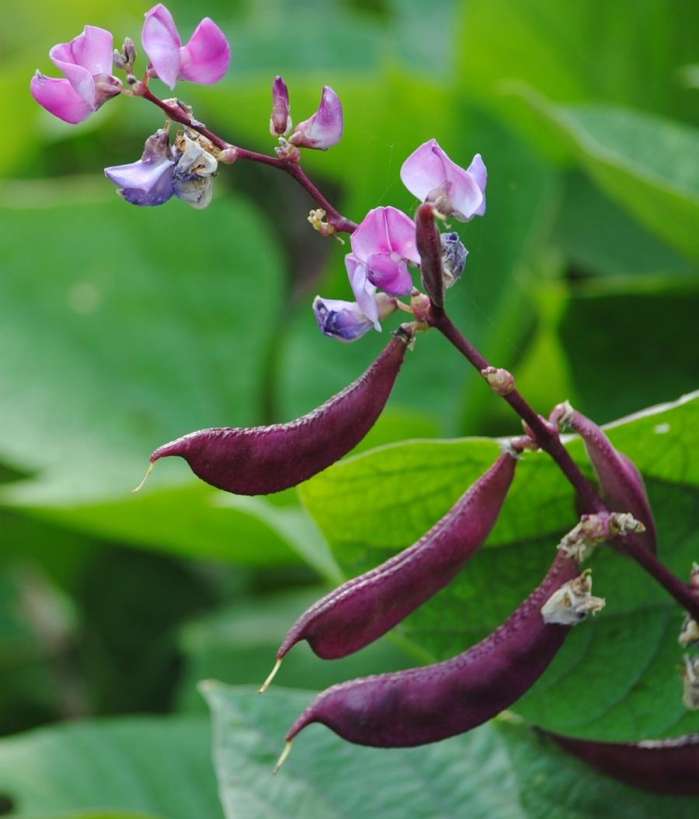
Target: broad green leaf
{"x": 657, "y": 319}
{"x": 326, "y": 778}
{"x": 500, "y": 771}
{"x": 611, "y": 674}
{"x": 648, "y": 164}
{"x": 598, "y": 237}
{"x": 239, "y": 645}
{"x": 146, "y": 325}
{"x": 553, "y": 785}
{"x": 576, "y": 52}
{"x": 157, "y": 766}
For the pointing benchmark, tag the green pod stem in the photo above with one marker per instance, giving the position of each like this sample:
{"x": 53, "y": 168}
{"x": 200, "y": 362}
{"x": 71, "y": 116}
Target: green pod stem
{"x": 668, "y": 766}
{"x": 262, "y": 460}
{"x": 367, "y": 606}
{"x": 422, "y": 705}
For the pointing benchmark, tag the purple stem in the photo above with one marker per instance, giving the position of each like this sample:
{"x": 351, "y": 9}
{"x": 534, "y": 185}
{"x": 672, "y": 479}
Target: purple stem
{"x": 547, "y": 438}
{"x": 290, "y": 166}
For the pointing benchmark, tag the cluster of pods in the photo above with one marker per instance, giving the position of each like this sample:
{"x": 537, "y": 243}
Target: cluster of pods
{"x": 429, "y": 703}
{"x": 425, "y": 704}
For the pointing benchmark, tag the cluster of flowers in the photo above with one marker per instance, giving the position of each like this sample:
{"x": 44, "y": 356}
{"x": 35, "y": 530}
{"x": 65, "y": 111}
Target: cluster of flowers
{"x": 383, "y": 246}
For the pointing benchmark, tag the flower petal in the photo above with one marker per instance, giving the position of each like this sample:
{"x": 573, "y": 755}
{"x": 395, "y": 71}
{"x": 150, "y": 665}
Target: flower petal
{"x": 79, "y": 77}
{"x": 466, "y": 197}
{"x": 479, "y": 173}
{"x": 59, "y": 98}
{"x": 162, "y": 43}
{"x": 339, "y": 319}
{"x": 362, "y": 288}
{"x": 280, "y": 121}
{"x": 144, "y": 183}
{"x": 390, "y": 273}
{"x": 324, "y": 129}
{"x": 207, "y": 55}
{"x": 94, "y": 50}
{"x": 385, "y": 230}
{"x": 401, "y": 232}
{"x": 423, "y": 171}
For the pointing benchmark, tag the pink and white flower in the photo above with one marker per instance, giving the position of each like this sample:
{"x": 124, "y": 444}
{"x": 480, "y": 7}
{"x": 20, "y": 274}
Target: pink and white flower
{"x": 430, "y": 175}
{"x": 324, "y": 129}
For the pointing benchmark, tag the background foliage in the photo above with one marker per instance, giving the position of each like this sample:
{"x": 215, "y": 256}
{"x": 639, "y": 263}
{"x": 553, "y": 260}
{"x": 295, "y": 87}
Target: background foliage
{"x": 121, "y": 328}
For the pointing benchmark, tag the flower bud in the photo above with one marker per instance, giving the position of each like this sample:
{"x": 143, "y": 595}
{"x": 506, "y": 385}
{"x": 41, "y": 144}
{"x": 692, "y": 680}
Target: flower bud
{"x": 280, "y": 121}
{"x": 324, "y": 128}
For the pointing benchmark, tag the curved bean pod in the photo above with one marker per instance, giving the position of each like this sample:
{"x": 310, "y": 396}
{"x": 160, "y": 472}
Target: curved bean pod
{"x": 261, "y": 460}
{"x": 664, "y": 766}
{"x": 365, "y": 607}
{"x": 619, "y": 478}
{"x": 422, "y": 705}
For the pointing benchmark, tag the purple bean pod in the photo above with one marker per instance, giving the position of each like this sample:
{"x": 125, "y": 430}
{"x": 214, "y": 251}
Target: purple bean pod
{"x": 620, "y": 481}
{"x": 365, "y": 607}
{"x": 429, "y": 246}
{"x": 261, "y": 460}
{"x": 668, "y": 766}
{"x": 422, "y": 705}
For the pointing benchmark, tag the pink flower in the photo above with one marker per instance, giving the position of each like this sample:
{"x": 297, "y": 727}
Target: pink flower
{"x": 86, "y": 62}
{"x": 324, "y": 128}
{"x": 431, "y": 176}
{"x": 381, "y": 247}
{"x": 205, "y": 58}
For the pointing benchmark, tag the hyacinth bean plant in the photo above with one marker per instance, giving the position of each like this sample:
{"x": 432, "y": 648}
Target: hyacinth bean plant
{"x": 397, "y": 264}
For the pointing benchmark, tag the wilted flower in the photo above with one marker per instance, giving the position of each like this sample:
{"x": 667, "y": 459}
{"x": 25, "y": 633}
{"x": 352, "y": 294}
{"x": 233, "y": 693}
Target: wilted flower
{"x": 324, "y": 128}
{"x": 346, "y": 321}
{"x": 454, "y": 255}
{"x": 205, "y": 58}
{"x": 431, "y": 176}
{"x": 185, "y": 170}
{"x": 86, "y": 62}
{"x": 381, "y": 247}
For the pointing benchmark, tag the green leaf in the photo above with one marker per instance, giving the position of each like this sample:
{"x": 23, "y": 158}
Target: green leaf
{"x": 148, "y": 324}
{"x": 648, "y": 164}
{"x": 599, "y": 237}
{"x": 160, "y": 767}
{"x": 499, "y": 771}
{"x": 576, "y": 52}
{"x": 611, "y": 674}
{"x": 327, "y": 778}
{"x": 602, "y": 321}
{"x": 553, "y": 785}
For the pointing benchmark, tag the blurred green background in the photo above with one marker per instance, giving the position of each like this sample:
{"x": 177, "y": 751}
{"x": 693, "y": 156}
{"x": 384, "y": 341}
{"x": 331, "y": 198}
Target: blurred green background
{"x": 121, "y": 328}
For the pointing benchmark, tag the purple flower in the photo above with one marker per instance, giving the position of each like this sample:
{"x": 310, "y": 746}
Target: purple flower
{"x": 345, "y": 320}
{"x": 341, "y": 319}
{"x": 381, "y": 247}
{"x": 431, "y": 176}
{"x": 205, "y": 58}
{"x": 324, "y": 128}
{"x": 150, "y": 180}
{"x": 86, "y": 62}
{"x": 280, "y": 121}
{"x": 184, "y": 170}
